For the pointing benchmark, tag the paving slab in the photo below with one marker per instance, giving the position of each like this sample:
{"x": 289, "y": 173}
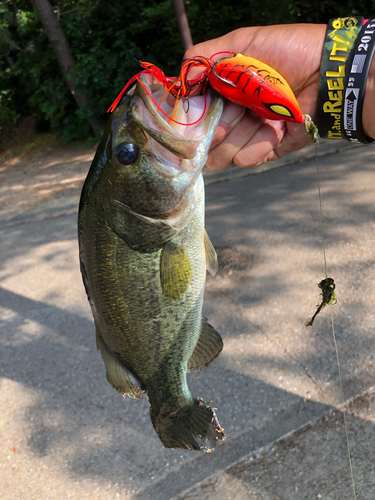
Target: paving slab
{"x": 309, "y": 463}
{"x": 65, "y": 433}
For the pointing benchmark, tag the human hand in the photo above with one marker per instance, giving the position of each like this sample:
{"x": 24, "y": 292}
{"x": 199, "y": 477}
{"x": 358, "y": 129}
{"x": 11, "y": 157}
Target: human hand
{"x": 295, "y": 52}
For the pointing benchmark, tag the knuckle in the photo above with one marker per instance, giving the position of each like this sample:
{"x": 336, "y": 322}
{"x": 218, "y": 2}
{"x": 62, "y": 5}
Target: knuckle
{"x": 216, "y": 161}
{"x": 244, "y": 159}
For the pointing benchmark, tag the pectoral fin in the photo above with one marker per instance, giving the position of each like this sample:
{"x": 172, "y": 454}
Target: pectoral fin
{"x": 118, "y": 376}
{"x": 176, "y": 271}
{"x": 211, "y": 257}
{"x": 208, "y": 348}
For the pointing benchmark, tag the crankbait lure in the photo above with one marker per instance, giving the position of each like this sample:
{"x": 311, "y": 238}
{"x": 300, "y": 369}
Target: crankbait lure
{"x": 240, "y": 79}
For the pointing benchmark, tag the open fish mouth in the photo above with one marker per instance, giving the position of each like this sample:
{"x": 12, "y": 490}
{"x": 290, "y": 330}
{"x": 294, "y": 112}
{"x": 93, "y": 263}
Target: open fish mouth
{"x": 185, "y": 127}
{"x": 164, "y": 182}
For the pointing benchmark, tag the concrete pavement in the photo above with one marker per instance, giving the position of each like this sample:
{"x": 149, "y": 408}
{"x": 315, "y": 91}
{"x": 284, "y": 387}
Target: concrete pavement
{"x": 65, "y": 433}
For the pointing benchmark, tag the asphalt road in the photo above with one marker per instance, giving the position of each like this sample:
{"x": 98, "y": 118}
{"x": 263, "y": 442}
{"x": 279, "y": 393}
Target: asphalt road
{"x": 65, "y": 433}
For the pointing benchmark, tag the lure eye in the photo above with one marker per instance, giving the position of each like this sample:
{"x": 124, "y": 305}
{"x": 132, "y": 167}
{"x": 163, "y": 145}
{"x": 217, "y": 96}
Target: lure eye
{"x": 126, "y": 154}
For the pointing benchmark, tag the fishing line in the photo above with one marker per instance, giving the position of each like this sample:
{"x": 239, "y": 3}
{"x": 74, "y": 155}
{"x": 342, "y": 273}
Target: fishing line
{"x": 321, "y": 210}
{"x": 333, "y": 327}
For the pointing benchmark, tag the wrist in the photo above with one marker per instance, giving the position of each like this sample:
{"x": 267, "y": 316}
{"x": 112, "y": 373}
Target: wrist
{"x": 336, "y": 60}
{"x": 368, "y": 116}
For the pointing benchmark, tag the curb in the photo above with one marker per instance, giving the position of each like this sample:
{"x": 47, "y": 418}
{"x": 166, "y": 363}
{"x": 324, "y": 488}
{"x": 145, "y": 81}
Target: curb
{"x": 262, "y": 451}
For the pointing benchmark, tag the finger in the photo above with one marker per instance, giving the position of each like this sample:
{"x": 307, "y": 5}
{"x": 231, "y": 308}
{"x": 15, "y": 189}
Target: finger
{"x": 295, "y": 138}
{"x": 221, "y": 156}
{"x": 261, "y": 147}
{"x": 232, "y": 115}
{"x": 271, "y": 146}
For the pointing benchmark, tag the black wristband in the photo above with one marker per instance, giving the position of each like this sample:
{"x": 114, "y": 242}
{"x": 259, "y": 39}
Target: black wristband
{"x": 355, "y": 85}
{"x": 340, "y": 38}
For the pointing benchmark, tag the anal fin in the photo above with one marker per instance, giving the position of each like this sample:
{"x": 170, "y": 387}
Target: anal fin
{"x": 176, "y": 271}
{"x": 117, "y": 375}
{"x": 208, "y": 348}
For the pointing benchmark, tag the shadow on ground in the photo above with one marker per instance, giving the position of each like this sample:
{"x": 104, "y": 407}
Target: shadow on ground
{"x": 274, "y": 374}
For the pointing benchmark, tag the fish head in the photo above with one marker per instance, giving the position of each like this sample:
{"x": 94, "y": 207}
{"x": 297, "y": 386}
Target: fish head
{"x": 152, "y": 163}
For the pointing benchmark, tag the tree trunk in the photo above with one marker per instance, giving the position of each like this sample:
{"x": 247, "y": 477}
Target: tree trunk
{"x": 64, "y": 57}
{"x": 183, "y": 24}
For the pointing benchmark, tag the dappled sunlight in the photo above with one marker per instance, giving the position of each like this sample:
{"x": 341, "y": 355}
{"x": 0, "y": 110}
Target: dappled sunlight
{"x": 299, "y": 461}
{"x": 29, "y": 273}
{"x": 42, "y": 264}
{"x": 27, "y": 332}
{"x": 221, "y": 206}
{"x": 29, "y": 185}
{"x": 274, "y": 374}
{"x": 40, "y": 435}
{"x": 287, "y": 199}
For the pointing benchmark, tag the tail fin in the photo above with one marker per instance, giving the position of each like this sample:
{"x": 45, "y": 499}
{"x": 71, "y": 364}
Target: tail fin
{"x": 193, "y": 427}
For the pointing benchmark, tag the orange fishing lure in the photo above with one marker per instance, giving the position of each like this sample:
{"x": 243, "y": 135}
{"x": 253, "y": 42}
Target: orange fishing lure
{"x": 240, "y": 79}
{"x": 255, "y": 85}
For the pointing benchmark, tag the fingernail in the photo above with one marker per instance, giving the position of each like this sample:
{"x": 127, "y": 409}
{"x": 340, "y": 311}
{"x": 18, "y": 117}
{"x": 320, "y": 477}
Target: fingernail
{"x": 261, "y": 162}
{"x": 231, "y": 113}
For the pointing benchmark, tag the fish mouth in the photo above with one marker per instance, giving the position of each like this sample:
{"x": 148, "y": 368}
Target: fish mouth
{"x": 185, "y": 127}
{"x": 166, "y": 182}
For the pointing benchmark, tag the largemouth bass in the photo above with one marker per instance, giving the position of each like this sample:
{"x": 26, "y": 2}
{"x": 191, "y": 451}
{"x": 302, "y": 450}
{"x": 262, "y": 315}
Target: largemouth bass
{"x": 144, "y": 254}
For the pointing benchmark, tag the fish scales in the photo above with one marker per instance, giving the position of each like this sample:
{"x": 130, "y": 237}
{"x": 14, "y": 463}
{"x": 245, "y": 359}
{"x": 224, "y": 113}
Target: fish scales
{"x": 121, "y": 305}
{"x": 144, "y": 253}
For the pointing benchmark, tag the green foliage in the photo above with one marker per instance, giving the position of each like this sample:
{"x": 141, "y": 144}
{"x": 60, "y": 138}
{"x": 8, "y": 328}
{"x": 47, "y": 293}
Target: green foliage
{"x": 107, "y": 39}
{"x": 8, "y": 115}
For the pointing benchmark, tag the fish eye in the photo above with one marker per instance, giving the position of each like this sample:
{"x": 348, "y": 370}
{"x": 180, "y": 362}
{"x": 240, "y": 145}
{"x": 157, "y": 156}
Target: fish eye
{"x": 126, "y": 154}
